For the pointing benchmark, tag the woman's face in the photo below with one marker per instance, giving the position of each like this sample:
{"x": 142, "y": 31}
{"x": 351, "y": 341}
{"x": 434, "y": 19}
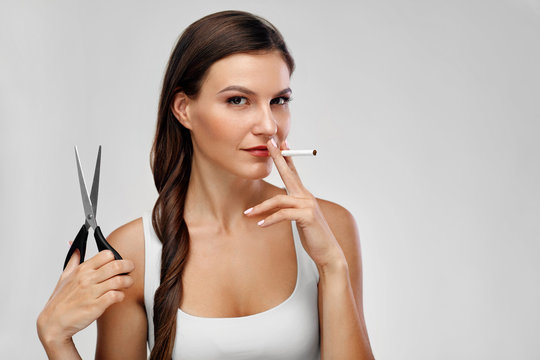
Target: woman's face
{"x": 242, "y": 104}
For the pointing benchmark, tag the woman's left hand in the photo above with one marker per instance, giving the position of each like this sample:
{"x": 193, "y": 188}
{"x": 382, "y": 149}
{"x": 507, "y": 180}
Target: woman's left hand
{"x": 299, "y": 205}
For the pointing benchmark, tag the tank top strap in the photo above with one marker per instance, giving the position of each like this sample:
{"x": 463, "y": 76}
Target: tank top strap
{"x": 152, "y": 269}
{"x": 307, "y": 263}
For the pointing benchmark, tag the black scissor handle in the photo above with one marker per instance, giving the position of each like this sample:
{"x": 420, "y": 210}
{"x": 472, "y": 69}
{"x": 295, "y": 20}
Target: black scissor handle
{"x": 102, "y": 244}
{"x": 78, "y": 243}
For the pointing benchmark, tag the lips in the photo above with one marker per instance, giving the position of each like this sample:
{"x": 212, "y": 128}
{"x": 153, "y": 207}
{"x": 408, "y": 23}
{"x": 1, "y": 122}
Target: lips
{"x": 261, "y": 147}
{"x": 259, "y": 151}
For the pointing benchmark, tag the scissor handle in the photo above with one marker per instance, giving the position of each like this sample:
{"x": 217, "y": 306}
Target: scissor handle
{"x": 102, "y": 244}
{"x": 78, "y": 243}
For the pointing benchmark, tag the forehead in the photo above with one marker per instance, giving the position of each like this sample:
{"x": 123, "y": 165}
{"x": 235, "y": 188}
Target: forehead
{"x": 260, "y": 72}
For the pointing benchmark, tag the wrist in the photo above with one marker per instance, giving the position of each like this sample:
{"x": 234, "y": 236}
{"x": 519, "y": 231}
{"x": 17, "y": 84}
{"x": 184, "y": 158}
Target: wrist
{"x": 336, "y": 263}
{"x": 61, "y": 349}
{"x": 48, "y": 336}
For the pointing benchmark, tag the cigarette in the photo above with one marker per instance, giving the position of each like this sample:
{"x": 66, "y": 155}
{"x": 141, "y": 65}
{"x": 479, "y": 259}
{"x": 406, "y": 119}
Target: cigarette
{"x": 298, "y": 152}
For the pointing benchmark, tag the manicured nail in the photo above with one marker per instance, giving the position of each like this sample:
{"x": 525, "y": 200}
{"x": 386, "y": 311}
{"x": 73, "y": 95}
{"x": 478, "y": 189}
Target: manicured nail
{"x": 248, "y": 210}
{"x": 260, "y": 222}
{"x": 273, "y": 142}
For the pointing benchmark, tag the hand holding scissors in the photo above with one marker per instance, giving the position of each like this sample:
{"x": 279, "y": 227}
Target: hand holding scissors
{"x": 85, "y": 289}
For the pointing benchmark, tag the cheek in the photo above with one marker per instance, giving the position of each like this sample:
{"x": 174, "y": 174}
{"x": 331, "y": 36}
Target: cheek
{"x": 216, "y": 125}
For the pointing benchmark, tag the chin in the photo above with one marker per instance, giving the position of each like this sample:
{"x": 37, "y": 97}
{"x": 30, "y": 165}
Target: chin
{"x": 257, "y": 172}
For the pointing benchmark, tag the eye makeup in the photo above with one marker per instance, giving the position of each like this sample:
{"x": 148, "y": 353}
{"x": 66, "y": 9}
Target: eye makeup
{"x": 230, "y": 100}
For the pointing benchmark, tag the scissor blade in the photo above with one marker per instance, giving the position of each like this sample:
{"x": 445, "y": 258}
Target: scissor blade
{"x": 95, "y": 183}
{"x": 88, "y": 212}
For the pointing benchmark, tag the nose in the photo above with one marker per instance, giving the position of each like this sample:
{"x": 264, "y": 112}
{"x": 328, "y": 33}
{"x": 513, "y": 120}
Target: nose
{"x": 266, "y": 123}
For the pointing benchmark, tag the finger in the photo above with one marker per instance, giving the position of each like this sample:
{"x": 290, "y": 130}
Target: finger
{"x": 100, "y": 259}
{"x": 283, "y": 214}
{"x": 288, "y": 159}
{"x": 109, "y": 298}
{"x": 113, "y": 269}
{"x": 290, "y": 163}
{"x": 278, "y": 201}
{"x": 115, "y": 283}
{"x": 73, "y": 262}
{"x": 272, "y": 203}
{"x": 290, "y": 179}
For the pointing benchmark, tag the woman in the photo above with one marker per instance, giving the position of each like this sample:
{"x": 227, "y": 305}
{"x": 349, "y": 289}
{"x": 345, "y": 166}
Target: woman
{"x": 227, "y": 266}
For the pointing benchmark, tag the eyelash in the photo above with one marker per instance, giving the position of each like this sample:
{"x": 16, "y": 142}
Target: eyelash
{"x": 286, "y": 100}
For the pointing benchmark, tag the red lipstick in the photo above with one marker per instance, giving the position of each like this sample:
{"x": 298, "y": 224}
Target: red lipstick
{"x": 259, "y": 151}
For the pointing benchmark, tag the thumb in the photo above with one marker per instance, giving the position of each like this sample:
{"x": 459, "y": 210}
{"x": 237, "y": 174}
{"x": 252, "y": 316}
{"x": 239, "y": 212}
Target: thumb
{"x": 73, "y": 261}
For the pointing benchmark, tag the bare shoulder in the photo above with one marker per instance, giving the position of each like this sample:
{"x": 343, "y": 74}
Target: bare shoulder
{"x": 123, "y": 325}
{"x": 343, "y": 226}
{"x": 128, "y": 240}
{"x": 340, "y": 220}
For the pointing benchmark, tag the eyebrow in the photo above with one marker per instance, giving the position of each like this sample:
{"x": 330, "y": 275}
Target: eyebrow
{"x": 251, "y": 92}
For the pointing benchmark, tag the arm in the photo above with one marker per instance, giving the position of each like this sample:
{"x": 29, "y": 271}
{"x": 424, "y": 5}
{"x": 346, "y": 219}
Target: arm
{"x": 343, "y": 329}
{"x": 62, "y": 350}
{"x": 122, "y": 328}
{"x": 94, "y": 290}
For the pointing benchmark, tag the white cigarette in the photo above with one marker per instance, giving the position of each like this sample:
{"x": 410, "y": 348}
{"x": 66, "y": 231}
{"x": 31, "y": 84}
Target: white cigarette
{"x": 298, "y": 152}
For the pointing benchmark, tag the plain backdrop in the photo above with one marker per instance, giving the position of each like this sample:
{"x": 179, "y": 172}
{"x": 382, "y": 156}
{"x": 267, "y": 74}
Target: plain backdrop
{"x": 425, "y": 114}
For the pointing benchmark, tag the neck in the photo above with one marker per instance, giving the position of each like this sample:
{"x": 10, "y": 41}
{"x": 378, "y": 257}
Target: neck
{"x": 217, "y": 197}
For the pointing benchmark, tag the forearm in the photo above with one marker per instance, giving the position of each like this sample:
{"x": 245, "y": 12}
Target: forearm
{"x": 343, "y": 335}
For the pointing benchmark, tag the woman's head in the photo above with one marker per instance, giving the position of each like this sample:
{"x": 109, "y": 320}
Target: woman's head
{"x": 228, "y": 48}
{"x": 215, "y": 48}
{"x": 242, "y": 102}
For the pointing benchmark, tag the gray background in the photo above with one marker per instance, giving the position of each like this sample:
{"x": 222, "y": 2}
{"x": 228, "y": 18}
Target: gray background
{"x": 425, "y": 115}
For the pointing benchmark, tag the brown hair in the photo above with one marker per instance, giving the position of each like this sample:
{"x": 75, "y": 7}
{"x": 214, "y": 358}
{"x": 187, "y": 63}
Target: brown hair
{"x": 204, "y": 42}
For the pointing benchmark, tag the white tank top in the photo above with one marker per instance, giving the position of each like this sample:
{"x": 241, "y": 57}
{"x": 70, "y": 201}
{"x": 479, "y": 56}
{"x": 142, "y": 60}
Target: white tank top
{"x": 289, "y": 330}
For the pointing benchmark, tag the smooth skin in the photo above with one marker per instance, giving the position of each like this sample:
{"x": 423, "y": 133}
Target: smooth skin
{"x": 225, "y": 181}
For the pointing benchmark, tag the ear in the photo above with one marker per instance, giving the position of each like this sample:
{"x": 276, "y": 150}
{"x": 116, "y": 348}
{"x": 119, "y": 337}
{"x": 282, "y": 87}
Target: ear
{"x": 179, "y": 107}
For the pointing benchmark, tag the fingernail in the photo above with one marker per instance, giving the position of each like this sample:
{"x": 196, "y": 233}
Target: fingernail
{"x": 248, "y": 210}
{"x": 260, "y": 222}
{"x": 286, "y": 144}
{"x": 70, "y": 242}
{"x": 273, "y": 142}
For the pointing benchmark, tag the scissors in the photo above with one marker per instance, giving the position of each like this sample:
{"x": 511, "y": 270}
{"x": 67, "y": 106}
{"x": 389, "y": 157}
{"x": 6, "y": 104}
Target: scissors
{"x": 90, "y": 209}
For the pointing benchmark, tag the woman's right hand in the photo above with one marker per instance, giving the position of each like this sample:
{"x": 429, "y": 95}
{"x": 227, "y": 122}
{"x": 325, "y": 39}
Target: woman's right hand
{"x": 82, "y": 294}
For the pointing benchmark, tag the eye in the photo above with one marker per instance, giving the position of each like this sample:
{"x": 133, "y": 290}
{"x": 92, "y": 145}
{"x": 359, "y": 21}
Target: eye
{"x": 282, "y": 100}
{"x": 236, "y": 100}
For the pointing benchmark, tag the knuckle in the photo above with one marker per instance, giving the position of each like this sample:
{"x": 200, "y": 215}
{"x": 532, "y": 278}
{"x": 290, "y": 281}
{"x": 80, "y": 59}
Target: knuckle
{"x": 83, "y": 282}
{"x": 117, "y": 266}
{"x": 126, "y": 263}
{"x": 108, "y": 255}
{"x": 82, "y": 266}
{"x": 116, "y": 296}
{"x": 117, "y": 282}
